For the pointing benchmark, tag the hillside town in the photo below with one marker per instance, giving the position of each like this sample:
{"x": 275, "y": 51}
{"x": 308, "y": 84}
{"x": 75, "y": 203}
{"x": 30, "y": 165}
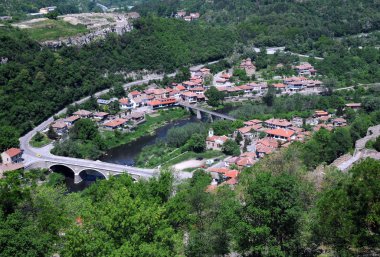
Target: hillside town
{"x": 259, "y": 138}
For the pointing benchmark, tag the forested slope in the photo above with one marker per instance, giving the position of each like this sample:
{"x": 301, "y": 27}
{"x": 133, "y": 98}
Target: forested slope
{"x": 279, "y": 22}
{"x": 36, "y": 82}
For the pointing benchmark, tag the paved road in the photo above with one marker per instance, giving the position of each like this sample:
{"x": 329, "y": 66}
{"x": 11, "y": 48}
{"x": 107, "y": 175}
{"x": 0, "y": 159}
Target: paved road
{"x": 33, "y": 155}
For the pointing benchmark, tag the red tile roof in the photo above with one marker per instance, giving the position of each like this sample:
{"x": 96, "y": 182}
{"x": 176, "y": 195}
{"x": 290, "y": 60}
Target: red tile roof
{"x": 135, "y": 93}
{"x": 180, "y": 88}
{"x": 216, "y": 138}
{"x": 115, "y": 123}
{"x": 72, "y": 118}
{"x": 268, "y": 142}
{"x": 280, "y": 132}
{"x": 12, "y": 152}
{"x": 189, "y": 94}
{"x": 82, "y": 113}
{"x": 124, "y": 101}
{"x": 101, "y": 114}
{"x": 59, "y": 125}
{"x": 279, "y": 85}
{"x": 165, "y": 101}
{"x": 279, "y": 122}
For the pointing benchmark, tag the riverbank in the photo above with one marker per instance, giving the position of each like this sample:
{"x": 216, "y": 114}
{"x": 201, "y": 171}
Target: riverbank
{"x": 108, "y": 140}
{"x": 149, "y": 127}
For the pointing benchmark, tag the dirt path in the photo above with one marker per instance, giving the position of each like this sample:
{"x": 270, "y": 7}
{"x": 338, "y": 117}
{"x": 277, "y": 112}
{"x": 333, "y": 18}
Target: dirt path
{"x": 188, "y": 164}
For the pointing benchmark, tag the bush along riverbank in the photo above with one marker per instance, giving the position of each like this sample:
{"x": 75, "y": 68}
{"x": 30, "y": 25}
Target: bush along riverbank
{"x": 181, "y": 144}
{"x": 88, "y": 142}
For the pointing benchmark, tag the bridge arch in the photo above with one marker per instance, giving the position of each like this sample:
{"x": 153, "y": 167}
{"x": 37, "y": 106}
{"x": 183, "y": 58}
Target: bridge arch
{"x": 92, "y": 174}
{"x": 62, "y": 169}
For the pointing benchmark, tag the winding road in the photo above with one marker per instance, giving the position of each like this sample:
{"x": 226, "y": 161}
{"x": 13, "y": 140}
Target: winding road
{"x": 34, "y": 155}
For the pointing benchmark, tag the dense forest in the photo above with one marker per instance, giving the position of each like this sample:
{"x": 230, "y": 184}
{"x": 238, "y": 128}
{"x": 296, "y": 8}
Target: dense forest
{"x": 278, "y": 209}
{"x": 35, "y": 82}
{"x": 280, "y": 22}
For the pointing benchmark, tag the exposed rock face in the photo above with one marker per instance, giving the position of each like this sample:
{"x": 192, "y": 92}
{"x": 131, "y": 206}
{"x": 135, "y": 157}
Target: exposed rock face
{"x": 87, "y": 38}
{"x": 100, "y": 25}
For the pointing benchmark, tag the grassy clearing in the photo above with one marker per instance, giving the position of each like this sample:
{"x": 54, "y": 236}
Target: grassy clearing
{"x": 40, "y": 143}
{"x": 54, "y": 29}
{"x": 192, "y": 155}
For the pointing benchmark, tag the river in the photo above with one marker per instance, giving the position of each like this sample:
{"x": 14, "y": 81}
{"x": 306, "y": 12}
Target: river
{"x": 128, "y": 153}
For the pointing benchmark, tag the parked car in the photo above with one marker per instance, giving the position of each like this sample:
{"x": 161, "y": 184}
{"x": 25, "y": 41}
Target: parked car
{"x": 199, "y": 158}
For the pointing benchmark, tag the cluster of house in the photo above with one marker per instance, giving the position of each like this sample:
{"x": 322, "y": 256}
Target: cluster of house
{"x": 297, "y": 84}
{"x": 187, "y": 17}
{"x": 103, "y": 119}
{"x": 305, "y": 69}
{"x": 300, "y": 83}
{"x": 261, "y": 138}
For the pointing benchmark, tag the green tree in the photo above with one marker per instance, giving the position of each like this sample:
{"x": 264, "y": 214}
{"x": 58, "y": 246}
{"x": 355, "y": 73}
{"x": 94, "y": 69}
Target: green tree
{"x": 52, "y": 15}
{"x": 196, "y": 143}
{"x": 51, "y": 134}
{"x": 268, "y": 223}
{"x": 8, "y": 138}
{"x": 230, "y": 147}
{"x": 223, "y": 127}
{"x": 270, "y": 96}
{"x": 348, "y": 212}
{"x": 215, "y": 97}
{"x": 84, "y": 129}
{"x": 238, "y": 138}
{"x": 341, "y": 142}
{"x": 39, "y": 136}
{"x": 118, "y": 91}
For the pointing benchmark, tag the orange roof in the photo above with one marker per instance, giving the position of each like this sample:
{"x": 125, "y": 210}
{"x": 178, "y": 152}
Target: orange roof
{"x": 82, "y": 113}
{"x": 180, "y": 88}
{"x": 189, "y": 94}
{"x": 225, "y": 171}
{"x": 280, "y": 132}
{"x": 135, "y": 93}
{"x": 101, "y": 114}
{"x": 124, "y": 101}
{"x": 162, "y": 101}
{"x": 197, "y": 89}
{"x": 72, "y": 118}
{"x": 219, "y": 170}
{"x": 279, "y": 85}
{"x": 264, "y": 149}
{"x": 159, "y": 91}
{"x": 279, "y": 122}
{"x": 231, "y": 181}
{"x": 268, "y": 142}
{"x": 59, "y": 125}
{"x": 12, "y": 152}
{"x": 231, "y": 173}
{"x": 245, "y": 161}
{"x": 215, "y": 138}
{"x": 247, "y": 129}
{"x": 253, "y": 122}
{"x": 115, "y": 123}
